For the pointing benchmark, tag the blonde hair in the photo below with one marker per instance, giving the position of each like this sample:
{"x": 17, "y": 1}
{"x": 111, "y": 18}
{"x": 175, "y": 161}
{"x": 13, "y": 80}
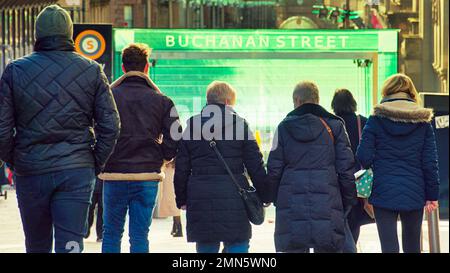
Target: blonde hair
{"x": 400, "y": 83}
{"x": 220, "y": 92}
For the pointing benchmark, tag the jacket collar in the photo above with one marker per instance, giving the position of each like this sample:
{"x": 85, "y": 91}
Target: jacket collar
{"x": 142, "y": 75}
{"x": 222, "y": 106}
{"x": 401, "y": 108}
{"x": 54, "y": 43}
{"x": 314, "y": 109}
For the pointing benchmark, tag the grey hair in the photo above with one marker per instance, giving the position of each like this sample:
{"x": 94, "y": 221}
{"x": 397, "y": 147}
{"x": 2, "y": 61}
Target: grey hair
{"x": 306, "y": 91}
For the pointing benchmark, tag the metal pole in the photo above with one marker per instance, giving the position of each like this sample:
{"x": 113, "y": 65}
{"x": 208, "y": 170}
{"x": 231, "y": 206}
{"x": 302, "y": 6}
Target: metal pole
{"x": 433, "y": 231}
{"x": 347, "y": 16}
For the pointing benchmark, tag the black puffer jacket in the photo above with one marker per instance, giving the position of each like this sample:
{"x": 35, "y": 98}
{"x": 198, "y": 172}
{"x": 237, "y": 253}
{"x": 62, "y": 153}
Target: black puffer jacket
{"x": 215, "y": 210}
{"x": 313, "y": 180}
{"x": 49, "y": 102}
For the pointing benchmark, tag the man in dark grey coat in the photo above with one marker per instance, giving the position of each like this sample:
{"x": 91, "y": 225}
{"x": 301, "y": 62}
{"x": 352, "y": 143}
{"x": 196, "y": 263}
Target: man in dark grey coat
{"x": 310, "y": 171}
{"x": 58, "y": 126}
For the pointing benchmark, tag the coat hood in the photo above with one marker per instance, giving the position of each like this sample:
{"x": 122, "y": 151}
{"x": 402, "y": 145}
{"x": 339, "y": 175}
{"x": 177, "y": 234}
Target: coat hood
{"x": 304, "y": 125}
{"x": 401, "y": 114}
{"x": 400, "y": 108}
{"x": 304, "y": 128}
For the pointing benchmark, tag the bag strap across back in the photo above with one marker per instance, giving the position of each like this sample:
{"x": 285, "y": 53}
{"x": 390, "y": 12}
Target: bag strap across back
{"x": 213, "y": 145}
{"x": 327, "y": 127}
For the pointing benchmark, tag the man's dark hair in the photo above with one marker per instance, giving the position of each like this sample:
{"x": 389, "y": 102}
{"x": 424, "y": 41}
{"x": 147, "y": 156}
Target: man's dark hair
{"x": 135, "y": 57}
{"x": 343, "y": 102}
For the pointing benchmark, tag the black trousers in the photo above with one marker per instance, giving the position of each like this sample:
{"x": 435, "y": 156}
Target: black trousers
{"x": 387, "y": 230}
{"x": 97, "y": 201}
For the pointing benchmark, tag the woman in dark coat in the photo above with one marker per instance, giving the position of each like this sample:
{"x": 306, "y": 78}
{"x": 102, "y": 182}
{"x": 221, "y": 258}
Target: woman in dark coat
{"x": 398, "y": 143}
{"x": 344, "y": 105}
{"x": 215, "y": 210}
{"x": 310, "y": 168}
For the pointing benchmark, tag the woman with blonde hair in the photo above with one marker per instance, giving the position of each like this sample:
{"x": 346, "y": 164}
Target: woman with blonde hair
{"x": 205, "y": 182}
{"x": 398, "y": 143}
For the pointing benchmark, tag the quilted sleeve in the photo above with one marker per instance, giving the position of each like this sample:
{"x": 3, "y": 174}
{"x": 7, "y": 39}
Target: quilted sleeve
{"x": 107, "y": 122}
{"x": 182, "y": 173}
{"x": 275, "y": 165}
{"x": 7, "y": 120}
{"x": 430, "y": 165}
{"x": 366, "y": 149}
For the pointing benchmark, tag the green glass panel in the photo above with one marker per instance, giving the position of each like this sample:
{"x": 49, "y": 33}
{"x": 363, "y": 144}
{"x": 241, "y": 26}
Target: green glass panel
{"x": 264, "y": 84}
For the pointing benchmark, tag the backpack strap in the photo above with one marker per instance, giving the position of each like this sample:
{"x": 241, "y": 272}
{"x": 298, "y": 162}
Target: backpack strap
{"x": 330, "y": 132}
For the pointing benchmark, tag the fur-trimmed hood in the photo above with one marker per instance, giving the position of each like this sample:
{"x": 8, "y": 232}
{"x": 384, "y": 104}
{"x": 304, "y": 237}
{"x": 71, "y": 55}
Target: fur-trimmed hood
{"x": 400, "y": 108}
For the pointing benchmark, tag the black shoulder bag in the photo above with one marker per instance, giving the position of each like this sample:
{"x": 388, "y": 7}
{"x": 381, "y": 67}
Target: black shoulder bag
{"x": 253, "y": 205}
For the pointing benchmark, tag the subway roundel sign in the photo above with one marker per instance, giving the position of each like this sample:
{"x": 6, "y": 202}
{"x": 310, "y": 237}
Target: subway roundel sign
{"x": 93, "y": 41}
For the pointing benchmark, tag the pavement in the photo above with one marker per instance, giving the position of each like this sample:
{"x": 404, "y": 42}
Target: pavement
{"x": 12, "y": 238}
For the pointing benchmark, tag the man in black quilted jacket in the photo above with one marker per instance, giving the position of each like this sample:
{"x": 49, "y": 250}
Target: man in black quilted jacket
{"x": 58, "y": 126}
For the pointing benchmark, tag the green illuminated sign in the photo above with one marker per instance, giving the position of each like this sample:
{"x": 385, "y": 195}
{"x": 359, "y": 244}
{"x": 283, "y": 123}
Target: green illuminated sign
{"x": 258, "y": 40}
{"x": 264, "y": 66}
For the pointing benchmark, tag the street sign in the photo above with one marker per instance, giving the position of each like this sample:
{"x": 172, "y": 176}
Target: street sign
{"x": 260, "y": 40}
{"x": 94, "y": 41}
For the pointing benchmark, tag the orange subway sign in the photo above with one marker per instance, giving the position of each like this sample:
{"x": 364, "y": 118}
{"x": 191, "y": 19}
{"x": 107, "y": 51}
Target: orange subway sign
{"x": 91, "y": 44}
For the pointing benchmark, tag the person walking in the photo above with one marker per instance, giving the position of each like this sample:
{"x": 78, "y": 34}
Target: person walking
{"x": 399, "y": 144}
{"x": 215, "y": 211}
{"x": 167, "y": 206}
{"x": 310, "y": 171}
{"x": 133, "y": 172}
{"x": 58, "y": 126}
{"x": 344, "y": 106}
{"x": 97, "y": 202}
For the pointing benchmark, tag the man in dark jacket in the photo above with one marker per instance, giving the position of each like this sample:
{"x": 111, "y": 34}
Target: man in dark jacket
{"x": 310, "y": 169}
{"x": 133, "y": 172}
{"x": 215, "y": 210}
{"x": 49, "y": 103}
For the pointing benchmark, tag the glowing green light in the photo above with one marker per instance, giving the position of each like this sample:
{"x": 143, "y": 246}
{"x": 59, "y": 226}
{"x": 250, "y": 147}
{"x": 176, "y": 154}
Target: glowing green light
{"x": 264, "y": 66}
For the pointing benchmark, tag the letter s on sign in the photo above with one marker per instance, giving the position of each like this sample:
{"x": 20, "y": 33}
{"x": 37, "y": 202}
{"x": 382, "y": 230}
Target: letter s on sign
{"x": 90, "y": 46}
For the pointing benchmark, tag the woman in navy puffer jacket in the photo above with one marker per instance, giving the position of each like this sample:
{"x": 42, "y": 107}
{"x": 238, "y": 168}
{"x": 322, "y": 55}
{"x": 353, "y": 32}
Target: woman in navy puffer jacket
{"x": 398, "y": 143}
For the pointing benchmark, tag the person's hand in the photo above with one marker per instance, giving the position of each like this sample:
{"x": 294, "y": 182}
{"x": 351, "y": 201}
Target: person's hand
{"x": 183, "y": 207}
{"x": 369, "y": 209}
{"x": 430, "y": 206}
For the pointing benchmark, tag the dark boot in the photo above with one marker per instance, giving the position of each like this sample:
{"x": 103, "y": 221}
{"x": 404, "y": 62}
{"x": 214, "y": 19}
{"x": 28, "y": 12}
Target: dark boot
{"x": 177, "y": 229}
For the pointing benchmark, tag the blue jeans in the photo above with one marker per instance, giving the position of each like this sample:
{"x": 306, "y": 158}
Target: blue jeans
{"x": 241, "y": 247}
{"x": 136, "y": 197}
{"x": 56, "y": 201}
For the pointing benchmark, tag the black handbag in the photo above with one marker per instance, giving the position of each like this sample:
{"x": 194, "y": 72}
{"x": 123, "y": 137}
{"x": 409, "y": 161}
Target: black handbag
{"x": 253, "y": 205}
